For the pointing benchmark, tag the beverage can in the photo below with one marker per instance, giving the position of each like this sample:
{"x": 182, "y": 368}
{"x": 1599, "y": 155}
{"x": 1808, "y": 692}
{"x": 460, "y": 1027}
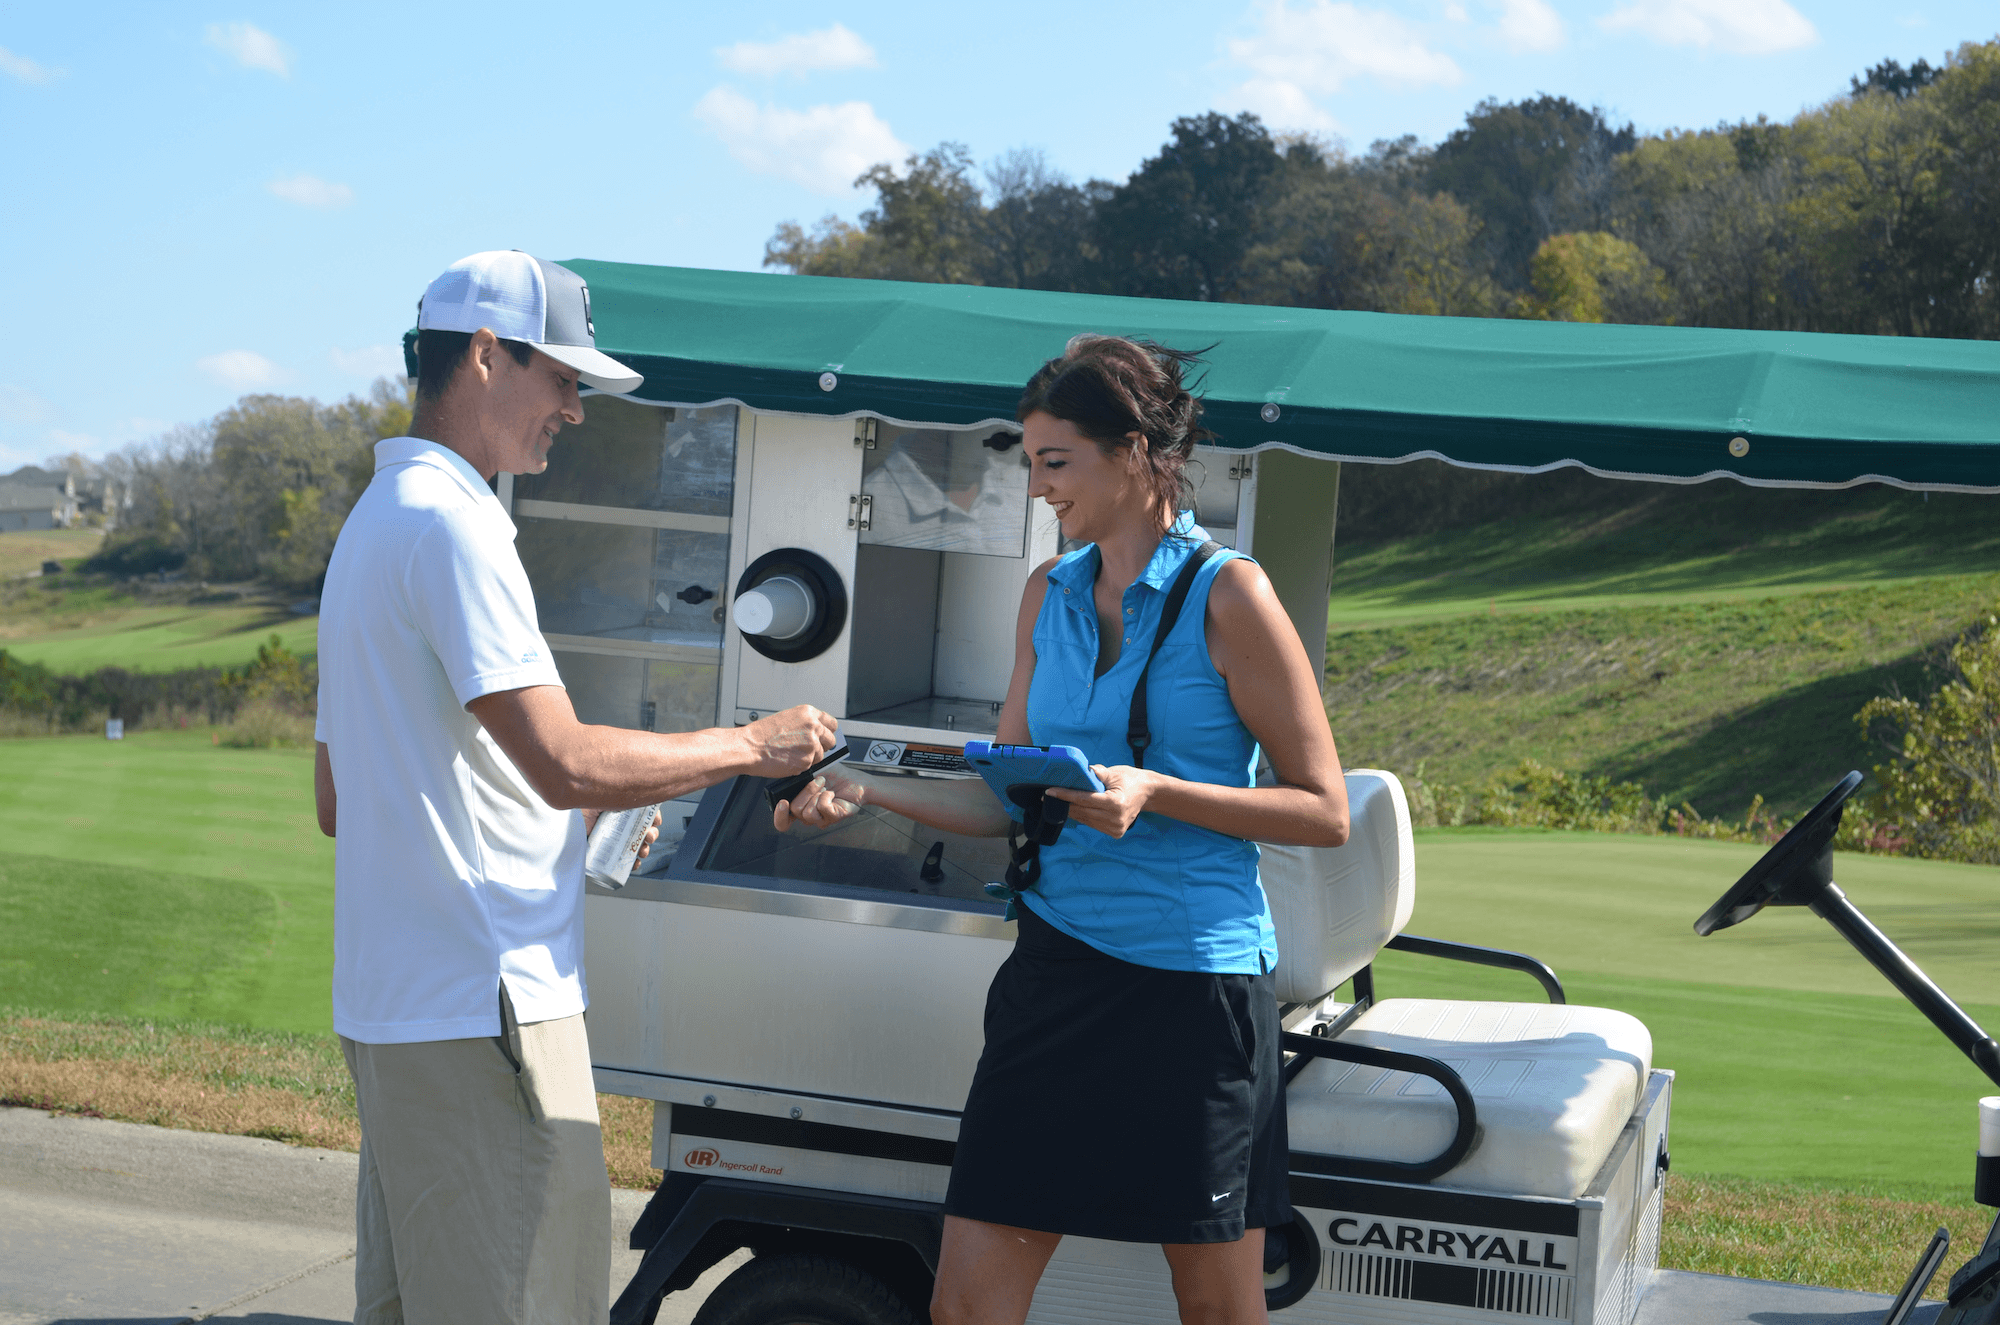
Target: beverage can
{"x": 613, "y": 848}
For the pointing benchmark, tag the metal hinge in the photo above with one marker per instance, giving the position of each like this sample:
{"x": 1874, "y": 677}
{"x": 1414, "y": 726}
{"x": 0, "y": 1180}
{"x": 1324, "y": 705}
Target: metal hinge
{"x": 1240, "y": 468}
{"x": 860, "y": 511}
{"x": 864, "y": 435}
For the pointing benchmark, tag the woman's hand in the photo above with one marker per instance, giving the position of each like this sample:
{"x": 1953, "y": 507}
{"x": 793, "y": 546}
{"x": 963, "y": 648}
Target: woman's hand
{"x": 1111, "y": 811}
{"x": 826, "y": 800}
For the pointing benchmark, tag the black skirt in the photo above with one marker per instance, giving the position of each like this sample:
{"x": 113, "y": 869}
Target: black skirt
{"x": 1122, "y": 1102}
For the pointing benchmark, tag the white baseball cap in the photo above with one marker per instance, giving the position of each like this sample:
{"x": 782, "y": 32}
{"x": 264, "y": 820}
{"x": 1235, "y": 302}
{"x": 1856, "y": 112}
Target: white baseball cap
{"x": 523, "y": 298}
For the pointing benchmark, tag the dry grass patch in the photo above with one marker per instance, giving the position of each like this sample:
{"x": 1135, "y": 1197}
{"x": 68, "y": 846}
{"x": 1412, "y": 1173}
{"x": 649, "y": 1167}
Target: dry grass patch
{"x": 290, "y": 1088}
{"x": 628, "y": 1141}
{"x": 1809, "y": 1235}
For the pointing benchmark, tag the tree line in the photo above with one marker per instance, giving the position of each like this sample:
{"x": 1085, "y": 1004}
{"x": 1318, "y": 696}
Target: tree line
{"x": 257, "y": 492}
{"x": 1873, "y": 213}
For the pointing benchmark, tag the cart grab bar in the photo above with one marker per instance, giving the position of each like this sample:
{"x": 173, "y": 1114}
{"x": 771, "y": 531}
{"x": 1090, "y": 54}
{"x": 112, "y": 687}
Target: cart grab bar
{"x": 1389, "y": 1170}
{"x": 1478, "y": 956}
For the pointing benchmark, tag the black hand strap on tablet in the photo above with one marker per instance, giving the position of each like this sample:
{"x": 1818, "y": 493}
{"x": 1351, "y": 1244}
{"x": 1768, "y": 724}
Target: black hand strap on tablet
{"x": 1137, "y": 735}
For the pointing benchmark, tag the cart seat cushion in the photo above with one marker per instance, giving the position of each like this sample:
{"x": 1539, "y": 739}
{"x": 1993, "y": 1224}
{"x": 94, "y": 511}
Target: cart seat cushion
{"x": 1334, "y": 907}
{"x": 1554, "y": 1085}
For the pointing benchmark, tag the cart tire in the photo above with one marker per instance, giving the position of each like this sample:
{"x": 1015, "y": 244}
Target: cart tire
{"x": 803, "y": 1290}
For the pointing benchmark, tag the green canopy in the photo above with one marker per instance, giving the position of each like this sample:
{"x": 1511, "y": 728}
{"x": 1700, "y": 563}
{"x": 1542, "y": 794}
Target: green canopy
{"x": 1679, "y": 404}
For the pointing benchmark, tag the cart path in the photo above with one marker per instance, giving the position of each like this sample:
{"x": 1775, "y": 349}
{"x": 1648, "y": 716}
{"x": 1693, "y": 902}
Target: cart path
{"x": 104, "y": 1222}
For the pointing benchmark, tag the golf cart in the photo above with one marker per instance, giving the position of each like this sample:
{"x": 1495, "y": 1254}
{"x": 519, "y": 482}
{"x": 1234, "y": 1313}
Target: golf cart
{"x": 819, "y": 496}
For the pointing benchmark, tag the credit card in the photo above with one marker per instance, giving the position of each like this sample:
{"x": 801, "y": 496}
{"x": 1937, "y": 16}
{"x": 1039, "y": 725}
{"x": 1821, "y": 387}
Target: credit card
{"x": 783, "y": 789}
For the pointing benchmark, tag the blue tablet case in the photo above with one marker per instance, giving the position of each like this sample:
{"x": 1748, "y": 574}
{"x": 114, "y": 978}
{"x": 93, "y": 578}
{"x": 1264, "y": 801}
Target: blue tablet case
{"x": 1029, "y": 768}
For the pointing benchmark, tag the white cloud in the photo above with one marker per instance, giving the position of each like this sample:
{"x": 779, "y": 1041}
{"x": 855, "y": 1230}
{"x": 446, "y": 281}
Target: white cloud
{"x": 1283, "y": 105}
{"x": 1530, "y": 25}
{"x": 799, "y": 53}
{"x": 821, "y": 147}
{"x": 20, "y": 405}
{"x": 1322, "y": 45}
{"x": 240, "y": 370}
{"x": 26, "y": 70}
{"x": 1742, "y": 27}
{"x": 311, "y": 191}
{"x": 251, "y": 47}
{"x": 369, "y": 360}
{"x": 1456, "y": 13}
{"x": 1315, "y": 49}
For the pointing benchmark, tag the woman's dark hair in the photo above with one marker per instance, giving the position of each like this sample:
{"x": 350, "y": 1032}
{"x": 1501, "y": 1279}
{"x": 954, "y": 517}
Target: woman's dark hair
{"x": 439, "y": 353}
{"x": 1109, "y": 387}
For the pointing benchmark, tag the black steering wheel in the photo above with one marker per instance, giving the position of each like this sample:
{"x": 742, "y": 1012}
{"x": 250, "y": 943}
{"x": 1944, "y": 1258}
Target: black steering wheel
{"x": 1796, "y": 869}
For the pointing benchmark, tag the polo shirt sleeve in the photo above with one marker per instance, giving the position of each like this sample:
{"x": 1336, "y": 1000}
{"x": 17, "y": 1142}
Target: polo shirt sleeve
{"x": 469, "y": 597}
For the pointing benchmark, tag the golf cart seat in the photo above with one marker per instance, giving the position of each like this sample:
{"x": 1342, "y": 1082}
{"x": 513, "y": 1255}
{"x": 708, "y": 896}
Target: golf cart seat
{"x": 1554, "y": 1085}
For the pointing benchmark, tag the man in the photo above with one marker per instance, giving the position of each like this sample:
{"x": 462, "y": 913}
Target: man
{"x": 450, "y": 755}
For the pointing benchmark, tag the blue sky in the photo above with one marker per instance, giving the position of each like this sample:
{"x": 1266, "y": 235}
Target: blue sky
{"x": 208, "y": 200}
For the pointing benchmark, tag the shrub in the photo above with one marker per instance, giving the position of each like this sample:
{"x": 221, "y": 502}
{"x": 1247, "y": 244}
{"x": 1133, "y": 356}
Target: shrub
{"x": 264, "y": 724}
{"x": 1533, "y": 795}
{"x": 278, "y": 676}
{"x": 1939, "y": 797}
{"x": 138, "y": 554}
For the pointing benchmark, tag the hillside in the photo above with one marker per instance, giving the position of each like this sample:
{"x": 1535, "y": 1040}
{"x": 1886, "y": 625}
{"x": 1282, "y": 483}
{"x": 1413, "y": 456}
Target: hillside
{"x": 78, "y": 621}
{"x": 1712, "y": 641}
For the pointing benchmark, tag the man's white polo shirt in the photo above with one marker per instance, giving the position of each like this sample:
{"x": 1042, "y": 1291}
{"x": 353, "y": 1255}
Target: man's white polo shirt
{"x": 451, "y": 875}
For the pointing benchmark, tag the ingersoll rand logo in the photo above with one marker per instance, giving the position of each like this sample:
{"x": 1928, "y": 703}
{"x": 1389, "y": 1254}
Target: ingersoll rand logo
{"x": 701, "y": 1157}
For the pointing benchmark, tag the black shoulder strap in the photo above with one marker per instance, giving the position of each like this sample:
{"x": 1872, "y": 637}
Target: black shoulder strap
{"x": 1137, "y": 734}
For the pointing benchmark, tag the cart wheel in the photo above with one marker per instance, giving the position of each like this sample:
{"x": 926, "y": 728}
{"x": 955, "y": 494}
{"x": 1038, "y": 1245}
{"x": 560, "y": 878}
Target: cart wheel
{"x": 802, "y": 1290}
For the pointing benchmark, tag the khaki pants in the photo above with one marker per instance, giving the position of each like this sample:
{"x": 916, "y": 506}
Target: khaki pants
{"x": 483, "y": 1197}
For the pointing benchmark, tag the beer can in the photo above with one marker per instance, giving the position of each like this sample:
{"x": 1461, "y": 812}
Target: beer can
{"x": 613, "y": 848}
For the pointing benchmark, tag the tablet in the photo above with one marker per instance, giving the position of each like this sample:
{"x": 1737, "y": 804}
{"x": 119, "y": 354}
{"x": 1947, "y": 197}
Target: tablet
{"x": 1013, "y": 769}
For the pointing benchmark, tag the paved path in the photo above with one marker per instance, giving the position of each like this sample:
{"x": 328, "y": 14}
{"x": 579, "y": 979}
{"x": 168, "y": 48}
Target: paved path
{"x": 1676, "y": 1297}
{"x": 104, "y": 1222}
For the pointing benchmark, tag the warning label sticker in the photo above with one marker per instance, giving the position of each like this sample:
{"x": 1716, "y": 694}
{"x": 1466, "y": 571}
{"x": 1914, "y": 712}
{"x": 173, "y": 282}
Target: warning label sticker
{"x": 929, "y": 758}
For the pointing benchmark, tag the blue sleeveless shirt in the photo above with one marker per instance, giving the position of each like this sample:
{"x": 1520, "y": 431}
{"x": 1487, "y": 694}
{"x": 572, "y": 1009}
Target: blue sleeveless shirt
{"x": 1167, "y": 895}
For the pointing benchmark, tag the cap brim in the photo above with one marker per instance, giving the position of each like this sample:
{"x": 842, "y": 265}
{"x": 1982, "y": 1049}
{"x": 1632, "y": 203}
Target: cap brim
{"x": 599, "y": 370}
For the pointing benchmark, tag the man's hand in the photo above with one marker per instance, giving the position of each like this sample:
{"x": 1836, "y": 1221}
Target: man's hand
{"x": 590, "y": 818}
{"x": 1113, "y": 810}
{"x": 789, "y": 742}
{"x": 826, "y": 800}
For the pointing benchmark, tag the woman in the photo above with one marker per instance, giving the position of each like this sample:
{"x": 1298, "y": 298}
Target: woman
{"x": 1130, "y": 1086}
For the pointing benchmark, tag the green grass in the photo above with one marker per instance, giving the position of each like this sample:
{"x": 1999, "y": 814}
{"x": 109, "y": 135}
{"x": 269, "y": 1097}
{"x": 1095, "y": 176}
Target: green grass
{"x": 1796, "y": 1062}
{"x": 1710, "y": 543}
{"x": 161, "y": 638}
{"x": 1709, "y": 702}
{"x": 79, "y": 623}
{"x": 103, "y": 843}
{"x": 162, "y": 945}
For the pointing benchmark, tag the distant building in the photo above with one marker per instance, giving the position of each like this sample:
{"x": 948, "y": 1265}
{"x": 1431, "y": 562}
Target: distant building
{"x": 36, "y": 506}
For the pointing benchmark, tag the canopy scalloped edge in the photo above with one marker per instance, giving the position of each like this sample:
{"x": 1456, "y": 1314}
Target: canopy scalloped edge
{"x": 1489, "y": 467}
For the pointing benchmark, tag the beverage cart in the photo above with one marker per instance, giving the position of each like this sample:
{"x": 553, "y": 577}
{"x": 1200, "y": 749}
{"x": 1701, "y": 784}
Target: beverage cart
{"x": 819, "y": 496}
